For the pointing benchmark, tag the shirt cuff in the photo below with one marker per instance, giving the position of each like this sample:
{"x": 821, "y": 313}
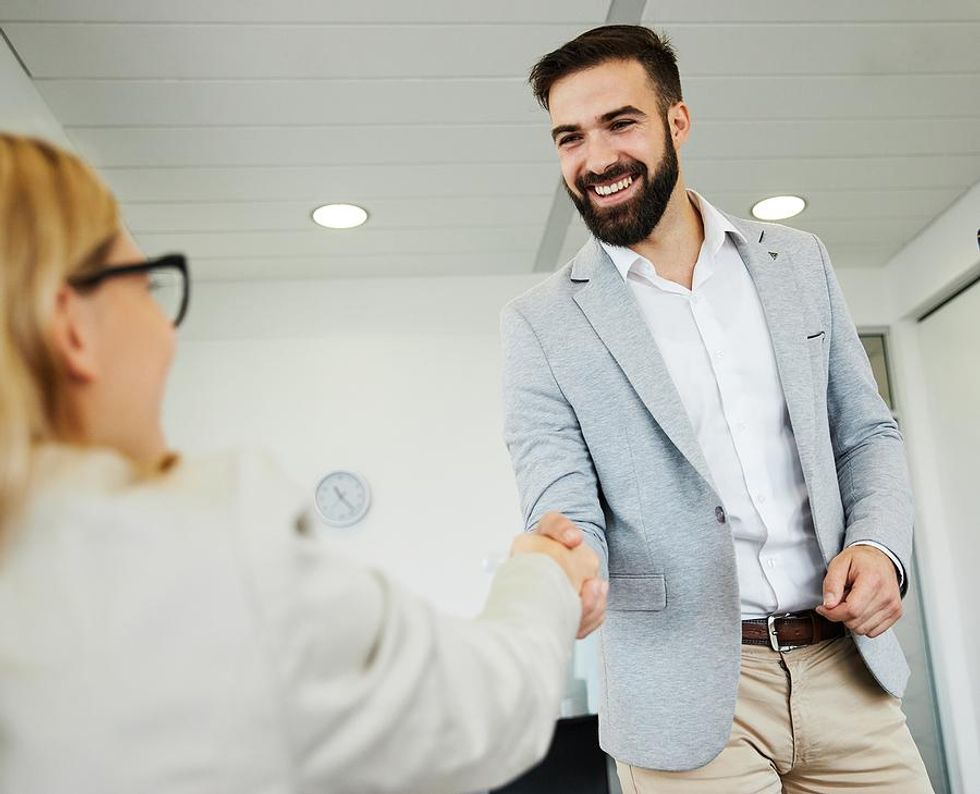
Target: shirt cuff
{"x": 898, "y": 565}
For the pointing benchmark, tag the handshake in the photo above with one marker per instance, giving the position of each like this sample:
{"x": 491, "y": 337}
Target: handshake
{"x": 561, "y": 540}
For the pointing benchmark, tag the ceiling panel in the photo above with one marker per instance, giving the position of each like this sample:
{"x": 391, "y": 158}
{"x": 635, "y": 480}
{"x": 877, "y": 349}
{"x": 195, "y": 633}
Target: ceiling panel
{"x": 336, "y": 11}
{"x": 346, "y": 242}
{"x": 318, "y": 145}
{"x": 774, "y": 177}
{"x": 879, "y": 48}
{"x": 821, "y": 98}
{"x": 288, "y": 102}
{"x": 422, "y": 212}
{"x": 362, "y": 266}
{"x": 328, "y": 182}
{"x": 837, "y": 138}
{"x": 163, "y": 51}
{"x": 803, "y": 11}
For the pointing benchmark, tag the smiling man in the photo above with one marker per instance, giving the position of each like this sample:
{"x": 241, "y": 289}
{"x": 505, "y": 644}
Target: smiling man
{"x": 691, "y": 392}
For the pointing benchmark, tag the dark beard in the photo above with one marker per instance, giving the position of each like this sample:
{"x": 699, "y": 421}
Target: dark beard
{"x": 627, "y": 224}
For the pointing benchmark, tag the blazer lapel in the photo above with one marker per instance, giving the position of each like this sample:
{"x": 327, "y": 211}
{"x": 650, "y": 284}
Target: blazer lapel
{"x": 781, "y": 297}
{"x": 611, "y": 309}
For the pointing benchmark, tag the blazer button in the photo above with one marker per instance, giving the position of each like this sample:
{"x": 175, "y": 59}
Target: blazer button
{"x": 720, "y": 514}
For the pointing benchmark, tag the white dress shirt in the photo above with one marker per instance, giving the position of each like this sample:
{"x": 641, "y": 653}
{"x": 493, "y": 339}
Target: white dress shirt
{"x": 716, "y": 345}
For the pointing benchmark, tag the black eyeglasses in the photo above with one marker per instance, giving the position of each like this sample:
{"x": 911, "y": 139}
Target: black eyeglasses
{"x": 169, "y": 282}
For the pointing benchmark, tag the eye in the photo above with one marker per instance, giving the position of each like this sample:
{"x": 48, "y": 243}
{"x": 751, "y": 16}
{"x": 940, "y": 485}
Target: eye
{"x": 567, "y": 140}
{"x": 622, "y": 124}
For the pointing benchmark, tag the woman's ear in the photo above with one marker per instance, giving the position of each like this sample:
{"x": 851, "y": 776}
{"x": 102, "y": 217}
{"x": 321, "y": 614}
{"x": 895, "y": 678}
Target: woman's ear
{"x": 73, "y": 336}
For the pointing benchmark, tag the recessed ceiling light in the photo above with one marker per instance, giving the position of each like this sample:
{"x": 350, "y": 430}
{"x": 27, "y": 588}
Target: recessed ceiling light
{"x": 778, "y": 208}
{"x": 340, "y": 216}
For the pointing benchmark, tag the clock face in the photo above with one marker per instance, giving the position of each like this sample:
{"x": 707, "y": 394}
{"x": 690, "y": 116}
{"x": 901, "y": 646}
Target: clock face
{"x": 342, "y": 498}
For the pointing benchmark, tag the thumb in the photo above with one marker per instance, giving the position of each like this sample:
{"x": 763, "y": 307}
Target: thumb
{"x": 835, "y": 581}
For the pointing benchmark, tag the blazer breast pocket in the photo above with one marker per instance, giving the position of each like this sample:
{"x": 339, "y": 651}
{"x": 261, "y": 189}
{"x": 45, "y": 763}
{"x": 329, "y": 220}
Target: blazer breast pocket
{"x": 816, "y": 343}
{"x": 637, "y": 592}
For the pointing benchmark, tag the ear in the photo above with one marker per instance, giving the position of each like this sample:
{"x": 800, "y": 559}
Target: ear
{"x": 679, "y": 122}
{"x": 73, "y": 336}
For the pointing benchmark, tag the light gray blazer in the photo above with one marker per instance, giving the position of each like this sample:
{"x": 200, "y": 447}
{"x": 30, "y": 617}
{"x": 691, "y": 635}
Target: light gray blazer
{"x": 596, "y": 430}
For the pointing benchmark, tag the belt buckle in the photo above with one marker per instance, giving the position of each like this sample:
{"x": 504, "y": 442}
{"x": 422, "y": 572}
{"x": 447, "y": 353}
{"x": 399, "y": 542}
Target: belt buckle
{"x": 774, "y": 637}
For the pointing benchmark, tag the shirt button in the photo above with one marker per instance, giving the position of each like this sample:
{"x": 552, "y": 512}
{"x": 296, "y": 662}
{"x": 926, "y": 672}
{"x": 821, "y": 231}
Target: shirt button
{"x": 720, "y": 514}
{"x": 761, "y": 499}
{"x": 771, "y": 562}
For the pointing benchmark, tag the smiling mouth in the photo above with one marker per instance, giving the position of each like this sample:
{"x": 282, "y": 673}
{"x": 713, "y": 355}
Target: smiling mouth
{"x": 615, "y": 187}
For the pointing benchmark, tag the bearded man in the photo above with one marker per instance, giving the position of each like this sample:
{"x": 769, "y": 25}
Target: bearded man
{"x": 691, "y": 392}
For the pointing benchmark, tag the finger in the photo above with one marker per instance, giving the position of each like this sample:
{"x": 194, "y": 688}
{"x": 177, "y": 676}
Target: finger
{"x": 590, "y": 595}
{"x": 882, "y": 627}
{"x": 862, "y": 626}
{"x": 590, "y": 601}
{"x": 836, "y": 580}
{"x": 588, "y": 559}
{"x": 557, "y": 527}
{"x": 838, "y": 614}
{"x": 863, "y": 599}
{"x": 596, "y": 614}
{"x": 883, "y": 619}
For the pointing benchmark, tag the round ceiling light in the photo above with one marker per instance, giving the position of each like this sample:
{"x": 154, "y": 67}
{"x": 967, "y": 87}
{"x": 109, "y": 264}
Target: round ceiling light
{"x": 778, "y": 208}
{"x": 340, "y": 216}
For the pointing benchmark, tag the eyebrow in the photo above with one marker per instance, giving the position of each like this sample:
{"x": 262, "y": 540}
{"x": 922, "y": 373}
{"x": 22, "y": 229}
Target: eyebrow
{"x": 605, "y": 118}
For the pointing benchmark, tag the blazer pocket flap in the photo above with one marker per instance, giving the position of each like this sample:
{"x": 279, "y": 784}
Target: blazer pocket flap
{"x": 639, "y": 593}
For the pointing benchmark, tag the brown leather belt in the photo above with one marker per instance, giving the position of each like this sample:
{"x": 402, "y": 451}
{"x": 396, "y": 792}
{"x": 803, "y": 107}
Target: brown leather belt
{"x": 791, "y": 630}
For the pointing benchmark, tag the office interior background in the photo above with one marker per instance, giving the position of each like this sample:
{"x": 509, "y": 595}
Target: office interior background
{"x": 222, "y": 125}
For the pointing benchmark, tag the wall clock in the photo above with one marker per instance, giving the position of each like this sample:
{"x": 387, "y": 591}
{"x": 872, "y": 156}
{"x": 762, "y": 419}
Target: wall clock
{"x": 342, "y": 498}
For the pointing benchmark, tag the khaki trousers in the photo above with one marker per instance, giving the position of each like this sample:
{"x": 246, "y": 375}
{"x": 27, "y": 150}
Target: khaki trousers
{"x": 811, "y": 720}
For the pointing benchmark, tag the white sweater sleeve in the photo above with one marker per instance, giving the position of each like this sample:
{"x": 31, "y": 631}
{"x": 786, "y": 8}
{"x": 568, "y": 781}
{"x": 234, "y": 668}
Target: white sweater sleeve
{"x": 381, "y": 693}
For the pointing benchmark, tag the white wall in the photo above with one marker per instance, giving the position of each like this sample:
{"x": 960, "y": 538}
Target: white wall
{"x": 398, "y": 379}
{"x": 943, "y": 257}
{"x": 950, "y": 347}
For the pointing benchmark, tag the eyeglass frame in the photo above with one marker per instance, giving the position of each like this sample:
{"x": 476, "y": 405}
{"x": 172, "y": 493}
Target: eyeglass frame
{"x": 175, "y": 261}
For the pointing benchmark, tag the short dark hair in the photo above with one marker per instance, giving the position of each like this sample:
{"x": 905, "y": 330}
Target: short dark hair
{"x": 651, "y": 50}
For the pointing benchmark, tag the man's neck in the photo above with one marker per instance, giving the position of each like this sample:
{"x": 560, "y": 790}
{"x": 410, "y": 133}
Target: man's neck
{"x": 675, "y": 243}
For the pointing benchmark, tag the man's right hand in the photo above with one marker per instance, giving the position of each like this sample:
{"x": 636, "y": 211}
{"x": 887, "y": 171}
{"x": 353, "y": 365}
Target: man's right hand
{"x": 558, "y": 537}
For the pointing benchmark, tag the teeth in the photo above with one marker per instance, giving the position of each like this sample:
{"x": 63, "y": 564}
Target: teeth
{"x": 604, "y": 190}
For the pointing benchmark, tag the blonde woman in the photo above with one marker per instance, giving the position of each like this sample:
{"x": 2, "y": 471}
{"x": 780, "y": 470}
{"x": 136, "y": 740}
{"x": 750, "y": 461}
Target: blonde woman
{"x": 168, "y": 625}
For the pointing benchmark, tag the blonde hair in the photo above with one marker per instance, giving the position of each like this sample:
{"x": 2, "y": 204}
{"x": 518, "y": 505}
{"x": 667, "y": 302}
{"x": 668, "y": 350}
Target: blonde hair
{"x": 57, "y": 219}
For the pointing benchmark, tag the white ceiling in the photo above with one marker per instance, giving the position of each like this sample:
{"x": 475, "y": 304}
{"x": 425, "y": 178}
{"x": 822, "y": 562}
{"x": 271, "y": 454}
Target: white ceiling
{"x": 221, "y": 125}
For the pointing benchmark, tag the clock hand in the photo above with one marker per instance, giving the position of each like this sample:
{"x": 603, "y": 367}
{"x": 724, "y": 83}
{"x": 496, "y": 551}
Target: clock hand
{"x": 340, "y": 496}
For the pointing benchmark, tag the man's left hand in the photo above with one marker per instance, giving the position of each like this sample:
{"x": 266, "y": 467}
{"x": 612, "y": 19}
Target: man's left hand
{"x": 861, "y": 591}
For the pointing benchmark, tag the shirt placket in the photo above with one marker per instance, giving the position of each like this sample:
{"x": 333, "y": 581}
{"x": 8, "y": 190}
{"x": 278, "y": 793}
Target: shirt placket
{"x": 737, "y": 414}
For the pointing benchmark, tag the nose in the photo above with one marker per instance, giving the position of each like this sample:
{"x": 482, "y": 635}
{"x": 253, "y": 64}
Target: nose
{"x": 600, "y": 155}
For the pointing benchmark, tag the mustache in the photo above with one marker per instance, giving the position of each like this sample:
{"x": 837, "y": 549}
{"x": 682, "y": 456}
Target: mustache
{"x": 617, "y": 171}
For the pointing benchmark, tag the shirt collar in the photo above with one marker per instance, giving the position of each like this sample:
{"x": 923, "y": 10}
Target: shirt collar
{"x": 716, "y": 227}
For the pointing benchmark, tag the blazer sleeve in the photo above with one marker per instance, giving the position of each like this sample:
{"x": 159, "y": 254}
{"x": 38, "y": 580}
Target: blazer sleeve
{"x": 379, "y": 692}
{"x": 552, "y": 463}
{"x": 872, "y": 470}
